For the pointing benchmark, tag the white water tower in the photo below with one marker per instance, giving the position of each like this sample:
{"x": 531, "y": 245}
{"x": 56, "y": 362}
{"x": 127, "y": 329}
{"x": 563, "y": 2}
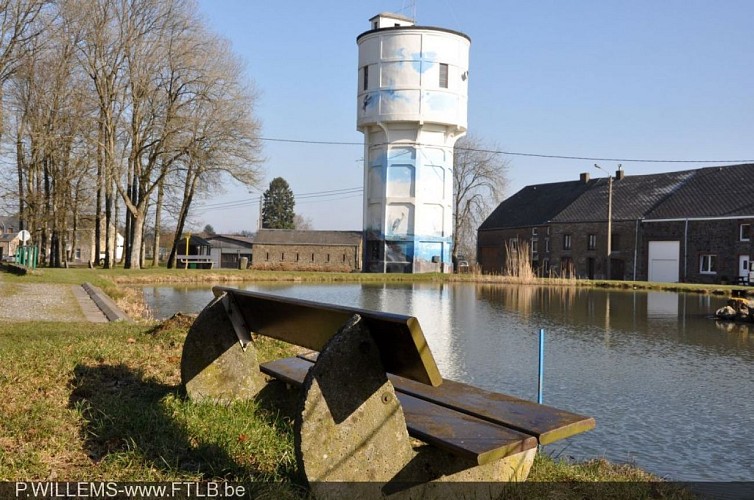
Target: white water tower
{"x": 412, "y": 100}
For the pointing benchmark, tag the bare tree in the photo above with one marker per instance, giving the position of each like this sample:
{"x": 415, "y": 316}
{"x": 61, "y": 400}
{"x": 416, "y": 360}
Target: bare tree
{"x": 18, "y": 27}
{"x": 478, "y": 184}
{"x": 50, "y": 141}
{"x": 224, "y": 136}
{"x": 99, "y": 40}
{"x": 302, "y": 223}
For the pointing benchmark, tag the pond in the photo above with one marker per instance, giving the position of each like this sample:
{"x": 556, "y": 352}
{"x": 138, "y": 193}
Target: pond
{"x": 670, "y": 388}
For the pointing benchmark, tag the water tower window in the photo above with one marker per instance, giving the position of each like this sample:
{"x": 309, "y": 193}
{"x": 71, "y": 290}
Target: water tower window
{"x": 443, "y": 76}
{"x": 366, "y": 77}
{"x": 374, "y": 25}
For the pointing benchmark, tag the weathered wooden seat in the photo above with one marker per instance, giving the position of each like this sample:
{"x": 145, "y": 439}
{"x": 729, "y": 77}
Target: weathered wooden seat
{"x": 369, "y": 384}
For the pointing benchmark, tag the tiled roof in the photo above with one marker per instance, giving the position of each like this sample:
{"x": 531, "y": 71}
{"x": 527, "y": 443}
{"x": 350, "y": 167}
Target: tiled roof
{"x": 633, "y": 196}
{"x": 711, "y": 192}
{"x": 231, "y": 238}
{"x": 700, "y": 193}
{"x": 295, "y": 237}
{"x": 535, "y": 205}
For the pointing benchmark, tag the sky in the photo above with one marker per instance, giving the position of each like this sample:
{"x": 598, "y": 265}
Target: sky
{"x": 609, "y": 80}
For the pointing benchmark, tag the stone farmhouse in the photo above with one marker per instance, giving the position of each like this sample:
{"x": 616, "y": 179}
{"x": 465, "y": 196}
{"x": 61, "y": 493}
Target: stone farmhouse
{"x": 689, "y": 226}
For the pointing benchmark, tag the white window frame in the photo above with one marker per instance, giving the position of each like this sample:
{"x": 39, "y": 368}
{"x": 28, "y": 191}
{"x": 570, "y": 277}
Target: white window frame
{"x": 708, "y": 263}
{"x": 591, "y": 241}
{"x": 534, "y": 231}
{"x": 741, "y": 232}
{"x": 567, "y": 242}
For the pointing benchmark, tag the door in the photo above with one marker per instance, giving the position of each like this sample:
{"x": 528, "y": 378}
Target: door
{"x": 743, "y": 266}
{"x": 663, "y": 261}
{"x": 590, "y": 268}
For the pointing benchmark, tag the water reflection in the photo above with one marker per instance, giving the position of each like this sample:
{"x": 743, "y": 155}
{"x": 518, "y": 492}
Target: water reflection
{"x": 669, "y": 386}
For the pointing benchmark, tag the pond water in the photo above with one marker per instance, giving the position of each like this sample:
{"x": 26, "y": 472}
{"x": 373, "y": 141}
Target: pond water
{"x": 670, "y": 388}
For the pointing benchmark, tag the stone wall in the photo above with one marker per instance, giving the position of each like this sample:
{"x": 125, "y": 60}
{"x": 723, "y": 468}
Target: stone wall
{"x": 720, "y": 238}
{"x": 342, "y": 258}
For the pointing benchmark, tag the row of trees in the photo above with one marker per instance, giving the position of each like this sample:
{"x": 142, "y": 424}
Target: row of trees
{"x": 116, "y": 105}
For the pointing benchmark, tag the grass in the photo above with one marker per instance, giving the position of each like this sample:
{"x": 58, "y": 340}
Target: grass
{"x": 94, "y": 402}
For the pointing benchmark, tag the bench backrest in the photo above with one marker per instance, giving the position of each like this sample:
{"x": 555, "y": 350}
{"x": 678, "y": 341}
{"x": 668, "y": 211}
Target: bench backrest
{"x": 399, "y": 338}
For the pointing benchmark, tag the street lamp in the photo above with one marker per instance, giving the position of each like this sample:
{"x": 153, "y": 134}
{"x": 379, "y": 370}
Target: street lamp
{"x": 609, "y": 217}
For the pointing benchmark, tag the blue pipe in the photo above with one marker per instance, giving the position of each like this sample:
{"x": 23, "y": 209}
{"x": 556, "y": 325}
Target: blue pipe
{"x": 541, "y": 364}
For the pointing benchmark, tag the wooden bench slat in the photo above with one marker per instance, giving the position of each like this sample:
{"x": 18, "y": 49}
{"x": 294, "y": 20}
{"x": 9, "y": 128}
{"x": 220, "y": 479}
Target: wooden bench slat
{"x": 546, "y": 423}
{"x": 399, "y": 338}
{"x": 459, "y": 433}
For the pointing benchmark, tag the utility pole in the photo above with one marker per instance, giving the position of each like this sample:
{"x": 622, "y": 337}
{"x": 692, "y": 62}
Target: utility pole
{"x": 609, "y": 219}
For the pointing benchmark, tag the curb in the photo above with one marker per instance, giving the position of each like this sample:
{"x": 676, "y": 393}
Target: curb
{"x": 108, "y": 307}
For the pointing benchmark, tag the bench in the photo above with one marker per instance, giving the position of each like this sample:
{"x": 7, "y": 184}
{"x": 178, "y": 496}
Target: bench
{"x": 198, "y": 261}
{"x": 369, "y": 384}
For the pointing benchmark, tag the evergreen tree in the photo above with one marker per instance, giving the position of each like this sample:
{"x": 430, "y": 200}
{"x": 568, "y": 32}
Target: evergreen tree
{"x": 277, "y": 206}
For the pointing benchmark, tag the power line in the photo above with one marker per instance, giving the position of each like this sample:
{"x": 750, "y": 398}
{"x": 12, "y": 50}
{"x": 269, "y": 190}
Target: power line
{"x": 332, "y": 194}
{"x": 512, "y": 153}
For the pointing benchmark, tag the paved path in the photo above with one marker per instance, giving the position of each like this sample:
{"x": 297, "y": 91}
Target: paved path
{"x": 47, "y": 302}
{"x": 88, "y": 307}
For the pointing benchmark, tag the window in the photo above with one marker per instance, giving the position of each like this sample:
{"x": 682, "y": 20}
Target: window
{"x": 282, "y": 256}
{"x": 78, "y": 254}
{"x": 566, "y": 242}
{"x": 547, "y": 245}
{"x": 534, "y": 231}
{"x": 591, "y": 241}
{"x": 745, "y": 232}
{"x": 365, "y": 85}
{"x": 443, "y": 76}
{"x": 513, "y": 244}
{"x": 312, "y": 257}
{"x": 708, "y": 264}
{"x": 534, "y": 247}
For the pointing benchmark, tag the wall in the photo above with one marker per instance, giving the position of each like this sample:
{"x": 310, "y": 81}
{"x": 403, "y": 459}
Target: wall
{"x": 716, "y": 237}
{"x": 342, "y": 258}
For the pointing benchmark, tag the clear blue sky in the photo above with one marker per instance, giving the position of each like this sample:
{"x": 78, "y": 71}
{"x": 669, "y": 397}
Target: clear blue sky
{"x": 669, "y": 80}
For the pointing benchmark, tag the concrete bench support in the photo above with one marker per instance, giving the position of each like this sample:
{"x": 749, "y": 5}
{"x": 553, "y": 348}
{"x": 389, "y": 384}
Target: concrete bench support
{"x": 216, "y": 364}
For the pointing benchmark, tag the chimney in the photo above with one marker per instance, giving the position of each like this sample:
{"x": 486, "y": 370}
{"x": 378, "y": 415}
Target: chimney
{"x": 584, "y": 177}
{"x": 619, "y": 174}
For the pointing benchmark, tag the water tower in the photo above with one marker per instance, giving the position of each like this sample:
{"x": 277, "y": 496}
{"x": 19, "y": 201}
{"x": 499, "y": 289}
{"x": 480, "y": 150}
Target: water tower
{"x": 412, "y": 100}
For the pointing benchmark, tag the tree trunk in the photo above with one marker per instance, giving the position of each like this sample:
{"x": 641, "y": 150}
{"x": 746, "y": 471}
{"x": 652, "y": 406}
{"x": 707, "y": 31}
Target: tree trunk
{"x": 157, "y": 226}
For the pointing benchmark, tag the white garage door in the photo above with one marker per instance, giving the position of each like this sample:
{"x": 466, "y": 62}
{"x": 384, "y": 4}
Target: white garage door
{"x": 663, "y": 261}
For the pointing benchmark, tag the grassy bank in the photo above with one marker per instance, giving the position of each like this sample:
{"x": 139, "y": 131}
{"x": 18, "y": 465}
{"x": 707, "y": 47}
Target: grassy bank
{"x": 103, "y": 402}
{"x": 112, "y": 280}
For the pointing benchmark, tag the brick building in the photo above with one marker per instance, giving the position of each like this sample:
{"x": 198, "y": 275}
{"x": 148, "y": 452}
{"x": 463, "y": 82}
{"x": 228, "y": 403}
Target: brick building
{"x": 289, "y": 249}
{"x": 691, "y": 226}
